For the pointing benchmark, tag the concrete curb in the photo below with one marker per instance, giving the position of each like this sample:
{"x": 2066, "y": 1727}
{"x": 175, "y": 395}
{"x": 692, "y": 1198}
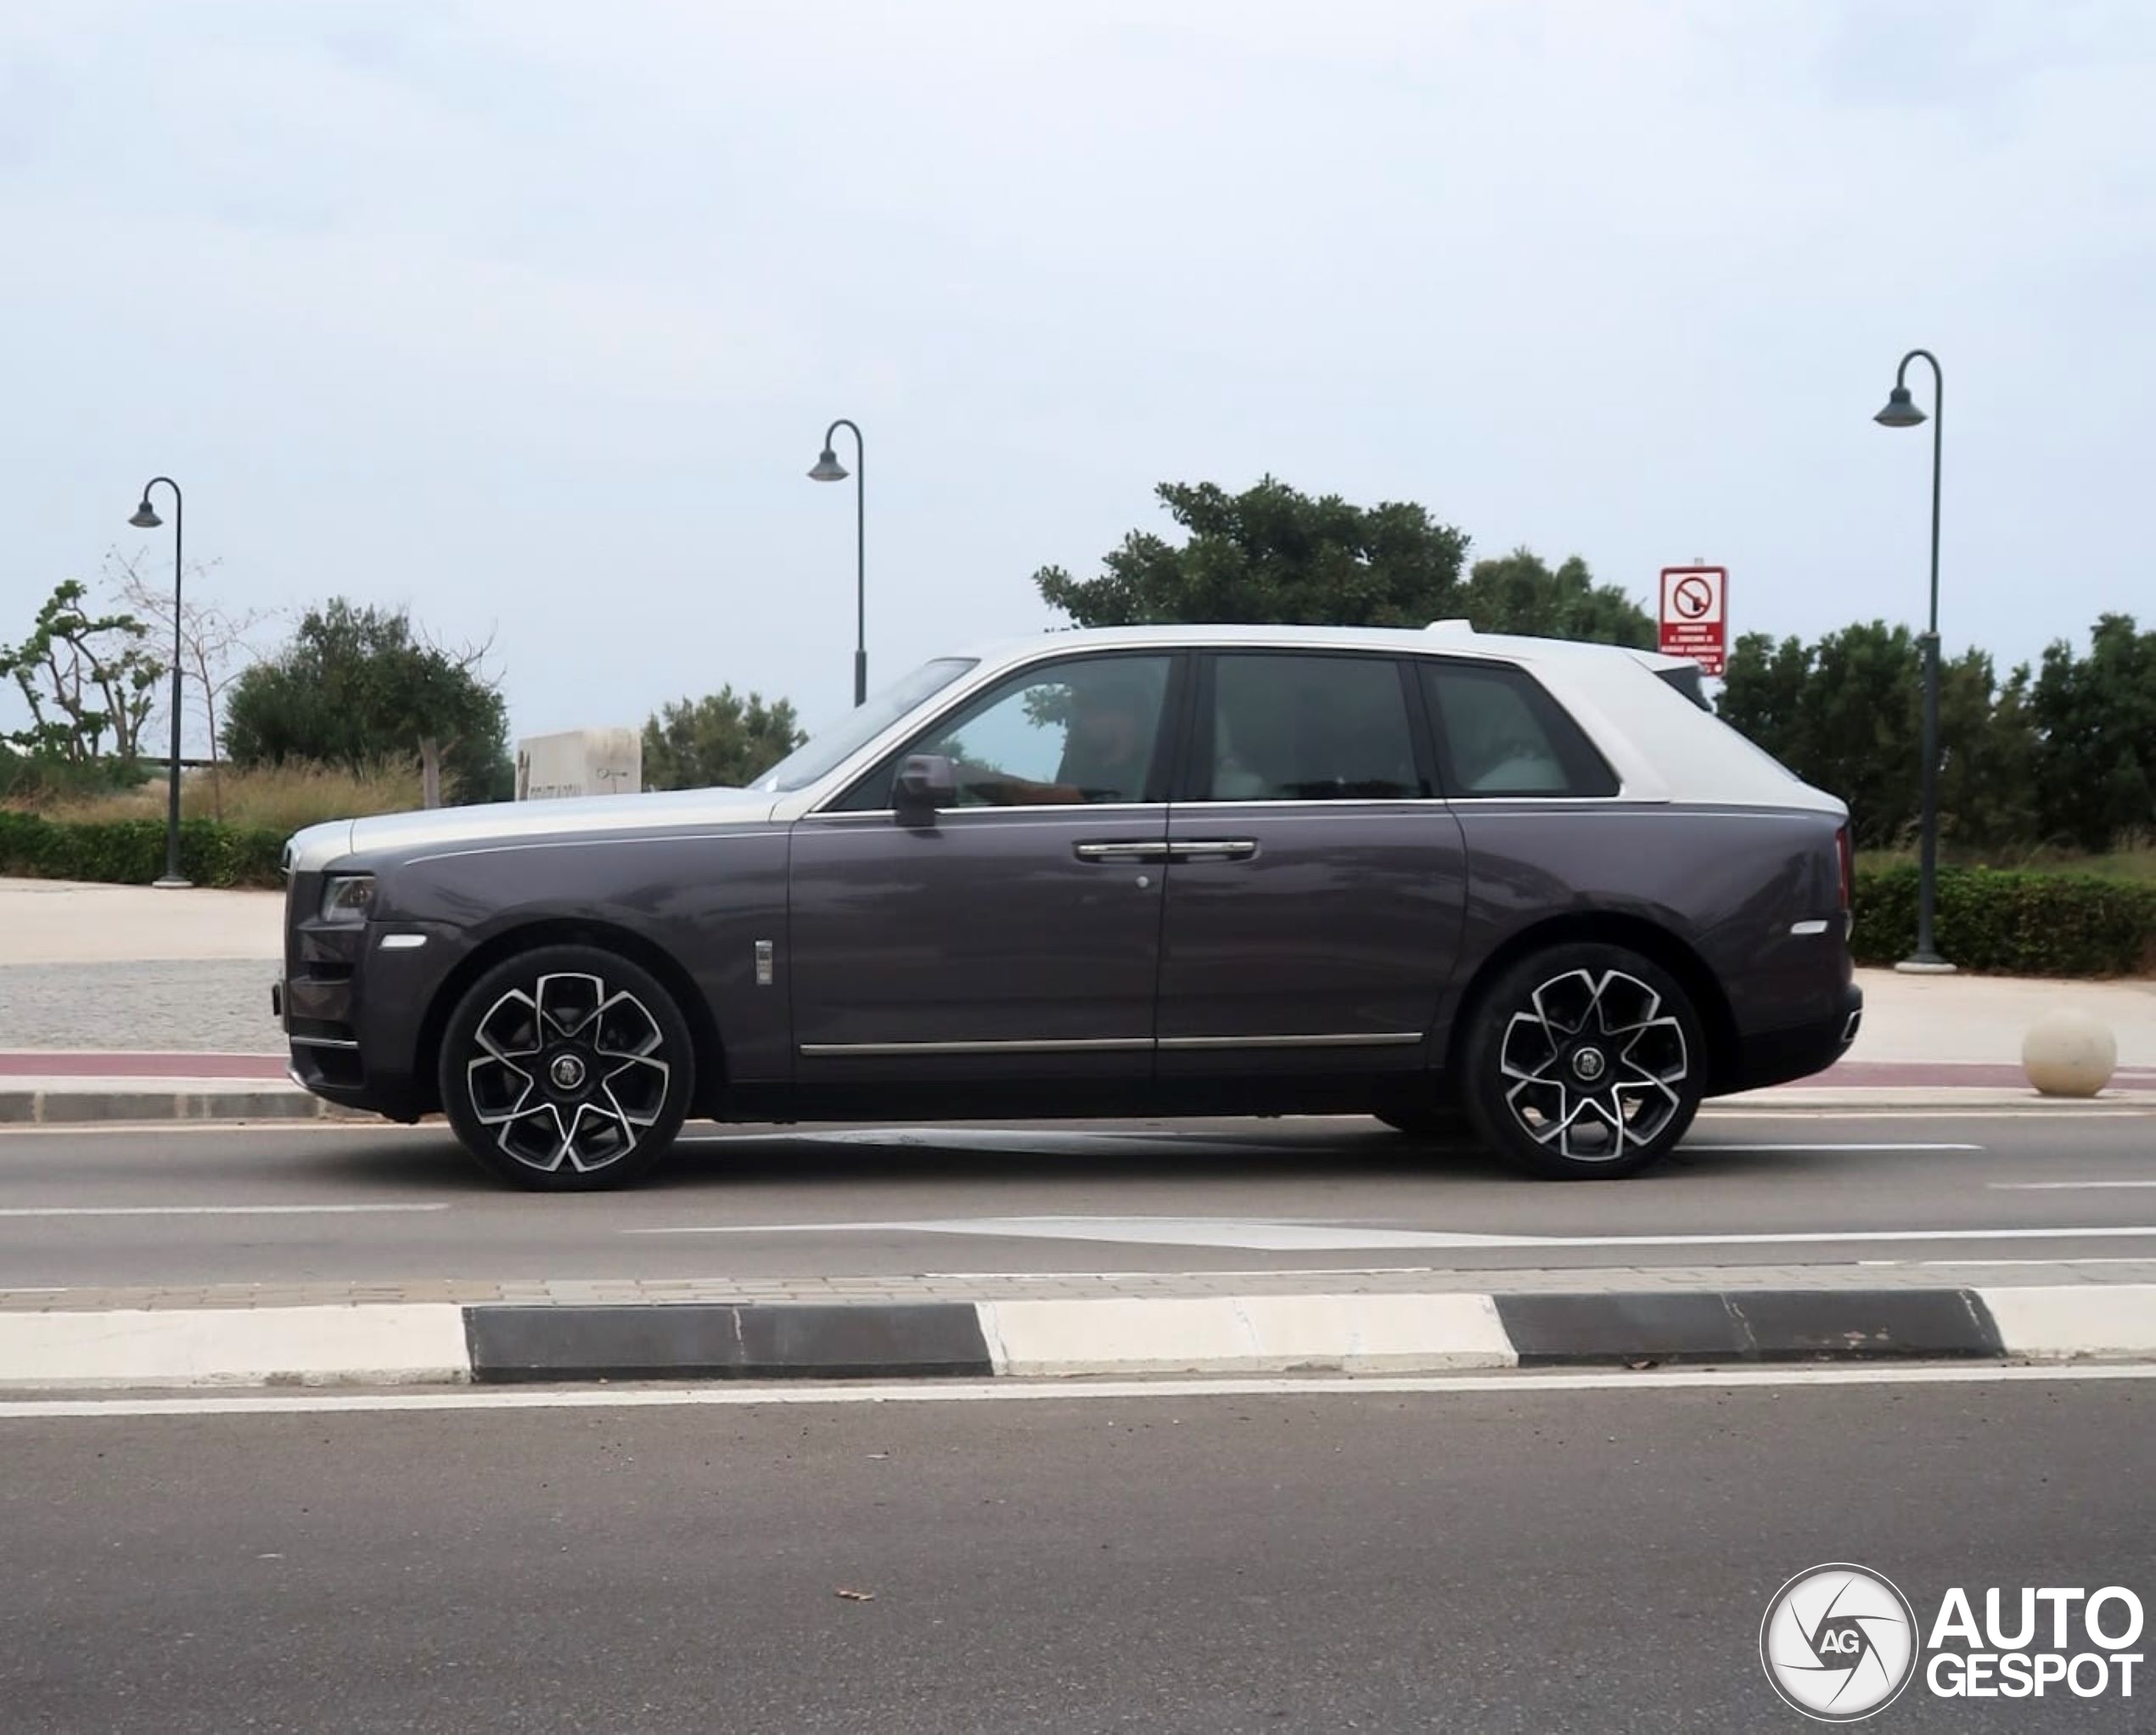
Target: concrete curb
{"x": 442, "y": 1343}
{"x": 208, "y": 1099}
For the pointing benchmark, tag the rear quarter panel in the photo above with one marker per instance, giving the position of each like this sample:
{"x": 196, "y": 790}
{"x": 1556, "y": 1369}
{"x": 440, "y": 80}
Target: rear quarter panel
{"x": 1728, "y": 882}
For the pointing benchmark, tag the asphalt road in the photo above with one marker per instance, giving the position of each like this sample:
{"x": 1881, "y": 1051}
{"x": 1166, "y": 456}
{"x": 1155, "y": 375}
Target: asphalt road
{"x": 377, "y": 1204}
{"x": 1530, "y": 1560}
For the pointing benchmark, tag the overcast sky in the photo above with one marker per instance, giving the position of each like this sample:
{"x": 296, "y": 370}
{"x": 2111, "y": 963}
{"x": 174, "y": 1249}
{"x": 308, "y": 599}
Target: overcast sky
{"x": 531, "y": 314}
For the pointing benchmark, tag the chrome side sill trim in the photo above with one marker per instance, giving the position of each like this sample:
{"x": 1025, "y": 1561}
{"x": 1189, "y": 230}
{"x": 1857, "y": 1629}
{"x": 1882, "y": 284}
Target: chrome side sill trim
{"x": 321, "y": 1041}
{"x": 1349, "y": 1038}
{"x": 1089, "y": 1045}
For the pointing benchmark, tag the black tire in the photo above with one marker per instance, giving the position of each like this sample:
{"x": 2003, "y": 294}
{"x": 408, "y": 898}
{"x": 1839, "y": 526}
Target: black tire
{"x": 1585, "y": 1062}
{"x": 567, "y": 1068}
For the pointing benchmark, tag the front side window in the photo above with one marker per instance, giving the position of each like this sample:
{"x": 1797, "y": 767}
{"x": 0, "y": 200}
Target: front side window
{"x": 1085, "y": 730}
{"x": 1310, "y": 728}
{"x": 1500, "y": 733}
{"x": 827, "y": 749}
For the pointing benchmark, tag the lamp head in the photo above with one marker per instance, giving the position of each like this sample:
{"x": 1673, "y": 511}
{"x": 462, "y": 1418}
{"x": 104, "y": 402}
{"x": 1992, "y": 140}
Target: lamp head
{"x": 145, "y": 518}
{"x": 829, "y": 469}
{"x": 1901, "y": 410}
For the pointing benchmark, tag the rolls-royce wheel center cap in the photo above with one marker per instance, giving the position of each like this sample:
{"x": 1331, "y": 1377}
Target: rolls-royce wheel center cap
{"x": 567, "y": 1072}
{"x": 1589, "y": 1065}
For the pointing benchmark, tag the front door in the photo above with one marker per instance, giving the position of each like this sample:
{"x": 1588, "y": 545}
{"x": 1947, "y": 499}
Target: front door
{"x": 1016, "y": 935}
{"x": 1316, "y": 884}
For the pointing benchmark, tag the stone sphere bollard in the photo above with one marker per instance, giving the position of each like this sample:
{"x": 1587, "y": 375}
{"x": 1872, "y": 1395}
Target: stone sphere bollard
{"x": 2069, "y": 1053}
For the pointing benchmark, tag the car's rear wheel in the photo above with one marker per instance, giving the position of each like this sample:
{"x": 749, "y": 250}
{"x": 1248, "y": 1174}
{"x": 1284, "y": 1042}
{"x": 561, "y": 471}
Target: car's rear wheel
{"x": 1584, "y": 1062}
{"x": 567, "y": 1068}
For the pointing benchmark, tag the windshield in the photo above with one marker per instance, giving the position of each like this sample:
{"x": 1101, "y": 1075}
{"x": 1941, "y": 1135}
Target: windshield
{"x": 831, "y": 746}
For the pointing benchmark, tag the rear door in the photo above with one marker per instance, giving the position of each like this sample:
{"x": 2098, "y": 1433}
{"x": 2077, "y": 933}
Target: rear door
{"x": 1316, "y": 881}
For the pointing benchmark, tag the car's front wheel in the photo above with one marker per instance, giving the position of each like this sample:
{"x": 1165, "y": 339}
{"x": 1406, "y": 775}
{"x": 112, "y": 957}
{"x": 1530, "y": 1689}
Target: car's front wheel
{"x": 1584, "y": 1062}
{"x": 567, "y": 1068}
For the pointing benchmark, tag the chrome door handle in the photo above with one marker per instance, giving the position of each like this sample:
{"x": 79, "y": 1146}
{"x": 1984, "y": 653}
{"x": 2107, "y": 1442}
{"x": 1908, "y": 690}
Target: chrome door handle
{"x": 1155, "y": 852}
{"x": 1213, "y": 848}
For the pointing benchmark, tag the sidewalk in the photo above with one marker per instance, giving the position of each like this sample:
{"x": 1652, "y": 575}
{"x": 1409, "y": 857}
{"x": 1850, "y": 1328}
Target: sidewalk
{"x": 125, "y": 1003}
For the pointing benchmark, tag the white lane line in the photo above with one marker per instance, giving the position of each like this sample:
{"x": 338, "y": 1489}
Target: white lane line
{"x": 1720, "y": 1147}
{"x": 1283, "y": 1237}
{"x": 1022, "y": 1391}
{"x": 211, "y": 1210}
{"x": 2061, "y": 1186}
{"x": 1992, "y": 1264}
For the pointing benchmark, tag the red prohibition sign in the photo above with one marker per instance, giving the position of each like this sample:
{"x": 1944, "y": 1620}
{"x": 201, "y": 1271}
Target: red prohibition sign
{"x": 1693, "y": 597}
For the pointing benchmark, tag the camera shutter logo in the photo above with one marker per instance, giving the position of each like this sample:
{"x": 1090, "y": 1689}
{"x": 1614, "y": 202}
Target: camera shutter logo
{"x": 1839, "y": 1642}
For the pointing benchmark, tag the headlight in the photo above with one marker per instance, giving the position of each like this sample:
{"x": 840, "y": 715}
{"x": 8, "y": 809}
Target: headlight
{"x": 347, "y": 897}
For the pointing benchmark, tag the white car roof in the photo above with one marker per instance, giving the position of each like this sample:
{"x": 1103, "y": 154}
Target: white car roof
{"x": 1662, "y": 745}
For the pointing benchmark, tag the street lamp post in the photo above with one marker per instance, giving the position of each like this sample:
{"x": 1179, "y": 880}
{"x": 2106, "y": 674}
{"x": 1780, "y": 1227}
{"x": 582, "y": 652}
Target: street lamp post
{"x": 146, "y": 518}
{"x": 1901, "y": 412}
{"x": 829, "y": 469}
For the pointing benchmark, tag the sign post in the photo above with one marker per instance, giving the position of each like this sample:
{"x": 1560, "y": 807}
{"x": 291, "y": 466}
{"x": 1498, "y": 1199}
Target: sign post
{"x": 1695, "y": 614}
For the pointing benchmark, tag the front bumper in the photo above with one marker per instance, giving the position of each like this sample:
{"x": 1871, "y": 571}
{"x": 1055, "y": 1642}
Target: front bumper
{"x": 354, "y": 1009}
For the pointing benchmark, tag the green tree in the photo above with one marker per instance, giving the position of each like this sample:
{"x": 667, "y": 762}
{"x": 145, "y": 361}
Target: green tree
{"x": 1987, "y": 743}
{"x": 1271, "y": 554}
{"x": 719, "y": 741}
{"x": 358, "y": 686}
{"x": 89, "y": 680}
{"x": 1843, "y": 714}
{"x": 1520, "y": 595}
{"x": 2096, "y": 720}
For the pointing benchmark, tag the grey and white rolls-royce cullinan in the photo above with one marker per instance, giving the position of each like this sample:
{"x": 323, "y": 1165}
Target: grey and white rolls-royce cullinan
{"x": 1193, "y": 870}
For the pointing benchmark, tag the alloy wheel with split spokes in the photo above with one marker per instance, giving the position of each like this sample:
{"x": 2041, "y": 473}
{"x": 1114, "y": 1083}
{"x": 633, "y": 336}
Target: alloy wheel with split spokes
{"x": 566, "y": 1068}
{"x": 1585, "y": 1060}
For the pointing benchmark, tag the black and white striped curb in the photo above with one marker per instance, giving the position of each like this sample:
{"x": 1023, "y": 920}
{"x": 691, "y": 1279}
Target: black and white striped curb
{"x": 406, "y": 1343}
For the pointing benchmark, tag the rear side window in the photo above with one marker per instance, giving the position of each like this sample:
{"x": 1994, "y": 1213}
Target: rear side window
{"x": 1310, "y": 728}
{"x": 1500, "y": 733}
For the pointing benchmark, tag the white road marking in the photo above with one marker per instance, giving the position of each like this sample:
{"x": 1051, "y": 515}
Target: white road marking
{"x": 1987, "y": 1264}
{"x": 1020, "y": 1391}
{"x": 210, "y": 1210}
{"x": 1316, "y": 1238}
{"x": 2061, "y": 1186}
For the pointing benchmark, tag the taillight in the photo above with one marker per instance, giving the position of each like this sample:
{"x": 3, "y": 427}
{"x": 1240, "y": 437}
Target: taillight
{"x": 1845, "y": 853}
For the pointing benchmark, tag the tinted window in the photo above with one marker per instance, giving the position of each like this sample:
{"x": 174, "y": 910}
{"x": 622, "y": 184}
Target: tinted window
{"x": 1083, "y": 730}
{"x": 1500, "y": 733}
{"x": 1289, "y": 728}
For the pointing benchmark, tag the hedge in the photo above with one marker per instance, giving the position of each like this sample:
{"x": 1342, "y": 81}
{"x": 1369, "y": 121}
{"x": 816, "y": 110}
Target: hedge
{"x": 2011, "y": 922}
{"x": 132, "y": 851}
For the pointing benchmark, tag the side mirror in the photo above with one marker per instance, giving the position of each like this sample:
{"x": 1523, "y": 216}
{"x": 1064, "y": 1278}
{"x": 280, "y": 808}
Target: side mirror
{"x": 925, "y": 782}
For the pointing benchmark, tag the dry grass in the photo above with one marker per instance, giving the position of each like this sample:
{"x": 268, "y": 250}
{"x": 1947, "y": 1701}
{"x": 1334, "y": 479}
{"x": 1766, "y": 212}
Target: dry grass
{"x": 274, "y": 798}
{"x": 2133, "y": 860}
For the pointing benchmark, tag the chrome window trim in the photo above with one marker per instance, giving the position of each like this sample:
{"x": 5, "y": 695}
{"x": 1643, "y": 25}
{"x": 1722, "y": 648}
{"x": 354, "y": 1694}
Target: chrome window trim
{"x": 1030, "y": 809}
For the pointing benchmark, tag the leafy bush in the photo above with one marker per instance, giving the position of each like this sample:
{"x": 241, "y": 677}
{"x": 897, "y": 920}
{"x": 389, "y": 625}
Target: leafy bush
{"x": 2014, "y": 924}
{"x": 132, "y": 851}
